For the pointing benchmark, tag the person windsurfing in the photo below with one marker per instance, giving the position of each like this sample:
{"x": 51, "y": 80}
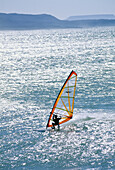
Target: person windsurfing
{"x": 55, "y": 121}
{"x": 64, "y": 103}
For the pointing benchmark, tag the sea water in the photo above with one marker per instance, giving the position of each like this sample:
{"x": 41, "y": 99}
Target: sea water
{"x": 33, "y": 67}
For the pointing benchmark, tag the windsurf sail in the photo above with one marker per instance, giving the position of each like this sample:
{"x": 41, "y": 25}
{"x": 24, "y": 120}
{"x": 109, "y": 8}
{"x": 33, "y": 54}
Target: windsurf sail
{"x": 64, "y": 104}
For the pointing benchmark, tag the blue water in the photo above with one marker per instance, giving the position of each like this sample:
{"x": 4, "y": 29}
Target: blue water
{"x": 33, "y": 67}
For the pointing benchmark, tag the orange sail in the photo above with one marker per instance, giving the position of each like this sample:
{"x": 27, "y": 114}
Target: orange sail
{"x": 64, "y": 104}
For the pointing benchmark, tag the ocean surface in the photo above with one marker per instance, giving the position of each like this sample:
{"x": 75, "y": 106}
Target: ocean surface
{"x": 33, "y": 67}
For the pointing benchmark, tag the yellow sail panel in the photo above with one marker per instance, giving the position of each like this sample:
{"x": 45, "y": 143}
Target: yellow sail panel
{"x": 74, "y": 93}
{"x": 64, "y": 103}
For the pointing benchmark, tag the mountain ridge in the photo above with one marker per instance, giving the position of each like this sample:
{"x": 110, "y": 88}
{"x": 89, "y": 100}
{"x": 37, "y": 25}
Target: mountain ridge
{"x": 14, "y": 21}
{"x": 90, "y": 17}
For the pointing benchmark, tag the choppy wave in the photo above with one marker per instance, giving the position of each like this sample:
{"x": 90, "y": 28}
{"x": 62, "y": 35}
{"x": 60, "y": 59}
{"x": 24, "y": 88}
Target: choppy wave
{"x": 33, "y": 67}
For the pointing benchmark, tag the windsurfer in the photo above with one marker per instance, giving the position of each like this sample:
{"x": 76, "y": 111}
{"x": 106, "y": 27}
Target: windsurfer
{"x": 55, "y": 121}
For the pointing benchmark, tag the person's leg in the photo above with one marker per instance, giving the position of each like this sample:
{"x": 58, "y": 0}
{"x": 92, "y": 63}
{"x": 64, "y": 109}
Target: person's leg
{"x": 58, "y": 127}
{"x": 53, "y": 126}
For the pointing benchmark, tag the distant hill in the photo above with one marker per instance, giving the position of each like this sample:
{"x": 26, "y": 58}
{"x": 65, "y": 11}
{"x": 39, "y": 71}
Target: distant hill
{"x": 44, "y": 21}
{"x": 91, "y": 17}
{"x": 25, "y": 21}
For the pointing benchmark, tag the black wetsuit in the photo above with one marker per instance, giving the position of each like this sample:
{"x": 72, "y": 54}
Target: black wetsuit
{"x": 56, "y": 121}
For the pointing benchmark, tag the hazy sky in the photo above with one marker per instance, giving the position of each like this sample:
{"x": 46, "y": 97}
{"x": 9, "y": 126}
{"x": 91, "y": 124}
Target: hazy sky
{"x": 59, "y": 8}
